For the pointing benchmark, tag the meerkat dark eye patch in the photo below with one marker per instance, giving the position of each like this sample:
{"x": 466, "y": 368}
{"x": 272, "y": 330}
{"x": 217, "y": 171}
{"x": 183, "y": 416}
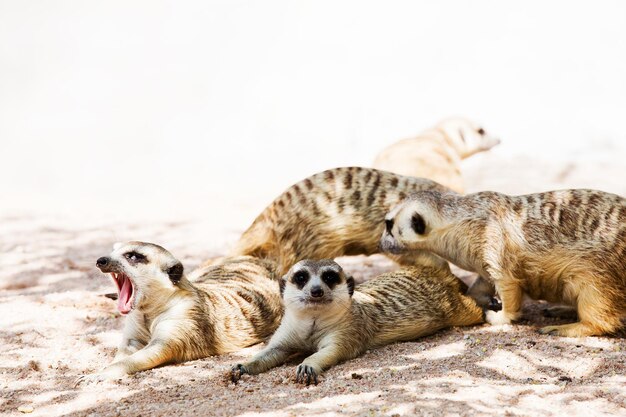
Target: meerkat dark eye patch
{"x": 330, "y": 278}
{"x": 175, "y": 273}
{"x": 481, "y": 131}
{"x": 136, "y": 257}
{"x": 418, "y": 224}
{"x": 300, "y": 278}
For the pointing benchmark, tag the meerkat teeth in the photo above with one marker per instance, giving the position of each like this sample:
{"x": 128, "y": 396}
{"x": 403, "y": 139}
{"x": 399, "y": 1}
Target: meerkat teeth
{"x": 227, "y": 306}
{"x": 565, "y": 246}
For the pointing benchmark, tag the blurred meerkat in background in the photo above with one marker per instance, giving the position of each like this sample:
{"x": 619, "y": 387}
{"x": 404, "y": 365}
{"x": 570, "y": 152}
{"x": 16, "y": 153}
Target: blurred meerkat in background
{"x": 436, "y": 153}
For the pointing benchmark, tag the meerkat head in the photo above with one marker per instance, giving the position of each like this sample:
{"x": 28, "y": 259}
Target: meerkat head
{"x": 466, "y": 136}
{"x": 139, "y": 269}
{"x": 316, "y": 284}
{"x": 412, "y": 223}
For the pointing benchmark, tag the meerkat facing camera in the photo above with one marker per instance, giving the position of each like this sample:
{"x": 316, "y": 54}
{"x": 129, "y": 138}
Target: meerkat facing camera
{"x": 170, "y": 319}
{"x": 564, "y": 246}
{"x": 327, "y": 315}
{"x": 437, "y": 152}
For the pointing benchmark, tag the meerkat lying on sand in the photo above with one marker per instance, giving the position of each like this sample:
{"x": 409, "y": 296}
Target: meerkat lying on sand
{"x": 171, "y": 319}
{"x": 437, "y": 152}
{"x": 327, "y": 315}
{"x": 561, "y": 246}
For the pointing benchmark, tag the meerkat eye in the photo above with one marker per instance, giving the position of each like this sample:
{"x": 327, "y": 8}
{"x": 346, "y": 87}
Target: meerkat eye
{"x": 418, "y": 224}
{"x": 481, "y": 131}
{"x": 300, "y": 278}
{"x": 135, "y": 257}
{"x": 330, "y": 278}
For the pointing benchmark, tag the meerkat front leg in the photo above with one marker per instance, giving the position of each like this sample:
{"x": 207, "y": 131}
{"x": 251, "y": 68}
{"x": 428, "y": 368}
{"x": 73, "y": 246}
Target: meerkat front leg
{"x": 511, "y": 294}
{"x": 154, "y": 354}
{"x": 314, "y": 365}
{"x": 268, "y": 358}
{"x": 127, "y": 348}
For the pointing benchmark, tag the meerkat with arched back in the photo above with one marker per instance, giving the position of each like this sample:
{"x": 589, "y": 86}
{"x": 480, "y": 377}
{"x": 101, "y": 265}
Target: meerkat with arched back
{"x": 437, "y": 152}
{"x": 339, "y": 212}
{"x": 326, "y": 315}
{"x": 333, "y": 213}
{"x": 564, "y": 246}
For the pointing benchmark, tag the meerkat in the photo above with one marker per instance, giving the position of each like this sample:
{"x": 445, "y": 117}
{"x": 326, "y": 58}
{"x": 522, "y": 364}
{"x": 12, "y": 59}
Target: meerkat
{"x": 437, "y": 152}
{"x": 561, "y": 246}
{"x": 333, "y": 213}
{"x": 171, "y": 318}
{"x": 327, "y": 316}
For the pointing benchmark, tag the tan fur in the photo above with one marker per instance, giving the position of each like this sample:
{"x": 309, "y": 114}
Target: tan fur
{"x": 561, "y": 246}
{"x": 396, "y": 306}
{"x": 224, "y": 308}
{"x": 333, "y": 213}
{"x": 437, "y": 152}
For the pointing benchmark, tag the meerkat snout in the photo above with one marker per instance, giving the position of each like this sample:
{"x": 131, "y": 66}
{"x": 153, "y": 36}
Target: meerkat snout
{"x": 102, "y": 262}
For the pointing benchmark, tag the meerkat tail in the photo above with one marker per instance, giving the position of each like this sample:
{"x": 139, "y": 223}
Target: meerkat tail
{"x": 256, "y": 241}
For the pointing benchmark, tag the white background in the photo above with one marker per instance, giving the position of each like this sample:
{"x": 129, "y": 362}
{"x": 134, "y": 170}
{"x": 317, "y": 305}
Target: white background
{"x": 156, "y": 106}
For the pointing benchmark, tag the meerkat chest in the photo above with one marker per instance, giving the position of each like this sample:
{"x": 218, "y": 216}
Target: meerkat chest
{"x": 312, "y": 331}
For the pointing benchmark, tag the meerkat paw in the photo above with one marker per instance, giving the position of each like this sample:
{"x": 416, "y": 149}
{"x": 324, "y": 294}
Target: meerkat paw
{"x": 236, "y": 372}
{"x": 104, "y": 375}
{"x": 572, "y": 330}
{"x": 497, "y": 317}
{"x": 305, "y": 374}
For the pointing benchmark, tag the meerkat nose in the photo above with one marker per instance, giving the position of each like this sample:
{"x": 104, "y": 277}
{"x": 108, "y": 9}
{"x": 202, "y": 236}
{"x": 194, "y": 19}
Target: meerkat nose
{"x": 389, "y": 225}
{"x": 103, "y": 261}
{"x": 317, "y": 292}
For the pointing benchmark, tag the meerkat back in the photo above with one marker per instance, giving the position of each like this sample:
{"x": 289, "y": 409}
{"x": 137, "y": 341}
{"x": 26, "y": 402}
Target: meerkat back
{"x": 333, "y": 213}
{"x": 431, "y": 298}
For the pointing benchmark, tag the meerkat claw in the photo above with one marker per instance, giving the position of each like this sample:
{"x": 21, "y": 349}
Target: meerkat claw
{"x": 305, "y": 374}
{"x": 236, "y": 372}
{"x": 494, "y": 304}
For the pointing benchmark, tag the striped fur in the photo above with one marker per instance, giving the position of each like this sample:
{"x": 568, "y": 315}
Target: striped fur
{"x": 223, "y": 308}
{"x": 333, "y": 213}
{"x": 562, "y": 246}
{"x": 398, "y": 306}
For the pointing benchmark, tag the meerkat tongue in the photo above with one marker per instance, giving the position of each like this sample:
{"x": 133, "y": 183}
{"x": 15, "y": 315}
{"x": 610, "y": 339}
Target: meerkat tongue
{"x": 126, "y": 294}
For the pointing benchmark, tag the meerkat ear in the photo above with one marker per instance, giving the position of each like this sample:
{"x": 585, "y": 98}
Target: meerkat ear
{"x": 282, "y": 282}
{"x": 350, "y": 283}
{"x": 175, "y": 272}
{"x": 418, "y": 224}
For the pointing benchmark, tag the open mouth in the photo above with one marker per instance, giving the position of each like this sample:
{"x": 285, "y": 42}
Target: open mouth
{"x": 125, "y": 292}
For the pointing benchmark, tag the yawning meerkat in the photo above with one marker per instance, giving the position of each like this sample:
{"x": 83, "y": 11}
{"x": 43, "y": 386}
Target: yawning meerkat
{"x": 562, "y": 246}
{"x": 436, "y": 153}
{"x": 327, "y": 316}
{"x": 170, "y": 319}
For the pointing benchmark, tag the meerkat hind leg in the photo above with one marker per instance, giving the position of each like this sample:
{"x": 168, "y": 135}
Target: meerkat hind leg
{"x": 595, "y": 318}
{"x": 563, "y": 312}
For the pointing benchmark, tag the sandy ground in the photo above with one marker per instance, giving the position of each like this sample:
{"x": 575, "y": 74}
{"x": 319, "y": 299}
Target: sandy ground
{"x": 55, "y": 325}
